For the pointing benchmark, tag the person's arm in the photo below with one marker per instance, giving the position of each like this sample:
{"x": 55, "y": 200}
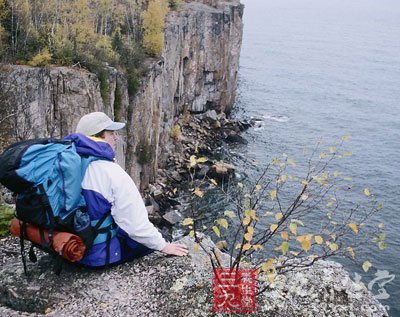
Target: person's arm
{"x": 130, "y": 214}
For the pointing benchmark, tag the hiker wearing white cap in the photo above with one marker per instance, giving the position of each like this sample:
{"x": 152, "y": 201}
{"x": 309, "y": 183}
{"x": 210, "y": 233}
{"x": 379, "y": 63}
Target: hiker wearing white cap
{"x": 106, "y": 186}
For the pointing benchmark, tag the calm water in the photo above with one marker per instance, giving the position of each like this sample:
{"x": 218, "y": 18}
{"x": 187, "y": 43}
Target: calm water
{"x": 312, "y": 69}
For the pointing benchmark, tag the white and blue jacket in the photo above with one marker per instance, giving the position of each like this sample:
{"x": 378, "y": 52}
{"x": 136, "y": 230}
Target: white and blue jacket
{"x": 106, "y": 186}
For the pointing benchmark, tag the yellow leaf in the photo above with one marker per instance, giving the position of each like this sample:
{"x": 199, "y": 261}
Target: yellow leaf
{"x": 175, "y": 190}
{"x": 248, "y": 236}
{"x": 275, "y": 161}
{"x": 48, "y": 310}
{"x": 250, "y": 230}
{"x": 305, "y": 183}
{"x": 322, "y": 155}
{"x": 230, "y": 214}
{"x": 238, "y": 246}
{"x": 347, "y": 178}
{"x": 295, "y": 253}
{"x": 351, "y": 252}
{"x": 273, "y": 227}
{"x": 382, "y": 245}
{"x": 271, "y": 278}
{"x": 285, "y": 235}
{"x": 332, "y": 149}
{"x": 346, "y": 137}
{"x": 258, "y": 187}
{"x": 317, "y": 179}
{"x": 284, "y": 247}
{"x": 246, "y": 220}
{"x": 305, "y": 241}
{"x": 192, "y": 161}
{"x": 381, "y": 226}
{"x": 214, "y": 182}
{"x": 198, "y": 192}
{"x": 304, "y": 197}
{"x": 333, "y": 246}
{"x": 216, "y": 230}
{"x": 291, "y": 162}
{"x": 367, "y": 192}
{"x": 319, "y": 239}
{"x": 273, "y": 194}
{"x": 196, "y": 247}
{"x": 202, "y": 160}
{"x": 223, "y": 222}
{"x": 366, "y": 266}
{"x": 348, "y": 153}
{"x": 240, "y": 185}
{"x": 268, "y": 213}
{"x": 282, "y": 178}
{"x": 353, "y": 227}
{"x": 379, "y": 206}
{"x": 251, "y": 213}
{"x": 246, "y": 247}
{"x": 247, "y": 196}
{"x": 191, "y": 233}
{"x": 268, "y": 266}
{"x": 336, "y": 173}
{"x": 258, "y": 247}
{"x": 278, "y": 216}
{"x": 293, "y": 228}
{"x": 187, "y": 221}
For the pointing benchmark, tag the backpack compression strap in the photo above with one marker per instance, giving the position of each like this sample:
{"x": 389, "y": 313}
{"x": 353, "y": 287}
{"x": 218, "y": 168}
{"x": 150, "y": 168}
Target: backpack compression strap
{"x": 110, "y": 231}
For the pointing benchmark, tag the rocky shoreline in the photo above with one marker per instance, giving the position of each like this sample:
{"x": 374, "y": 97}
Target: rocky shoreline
{"x": 193, "y": 135}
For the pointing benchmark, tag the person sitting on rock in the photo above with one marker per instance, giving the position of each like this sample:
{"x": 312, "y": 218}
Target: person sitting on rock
{"x": 106, "y": 186}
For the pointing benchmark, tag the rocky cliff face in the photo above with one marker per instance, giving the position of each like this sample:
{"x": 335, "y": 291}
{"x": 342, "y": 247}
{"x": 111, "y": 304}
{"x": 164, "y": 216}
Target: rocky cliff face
{"x": 197, "y": 70}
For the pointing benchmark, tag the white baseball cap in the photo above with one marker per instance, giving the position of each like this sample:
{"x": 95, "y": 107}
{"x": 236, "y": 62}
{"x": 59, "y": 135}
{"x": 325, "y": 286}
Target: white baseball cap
{"x": 96, "y": 122}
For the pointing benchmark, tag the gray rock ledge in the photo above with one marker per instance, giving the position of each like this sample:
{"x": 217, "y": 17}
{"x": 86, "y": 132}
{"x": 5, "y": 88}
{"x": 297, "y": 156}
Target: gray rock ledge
{"x": 158, "y": 285}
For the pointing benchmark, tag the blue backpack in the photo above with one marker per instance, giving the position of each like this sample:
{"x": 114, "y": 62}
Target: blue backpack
{"x": 46, "y": 176}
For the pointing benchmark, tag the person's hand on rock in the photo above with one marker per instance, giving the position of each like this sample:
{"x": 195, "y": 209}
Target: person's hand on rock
{"x": 175, "y": 249}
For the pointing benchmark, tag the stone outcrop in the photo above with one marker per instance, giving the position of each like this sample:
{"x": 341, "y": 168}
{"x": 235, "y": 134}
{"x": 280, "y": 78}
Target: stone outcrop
{"x": 197, "y": 70}
{"x": 157, "y": 285}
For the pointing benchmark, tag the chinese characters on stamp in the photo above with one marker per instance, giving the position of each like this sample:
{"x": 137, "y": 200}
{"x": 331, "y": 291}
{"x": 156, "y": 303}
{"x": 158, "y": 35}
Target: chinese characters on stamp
{"x": 235, "y": 290}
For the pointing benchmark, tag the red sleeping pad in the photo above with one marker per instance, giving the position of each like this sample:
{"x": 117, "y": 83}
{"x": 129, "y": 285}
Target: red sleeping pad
{"x": 70, "y": 246}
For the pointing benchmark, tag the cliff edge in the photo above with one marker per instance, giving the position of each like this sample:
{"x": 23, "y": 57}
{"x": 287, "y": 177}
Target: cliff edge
{"x": 157, "y": 285}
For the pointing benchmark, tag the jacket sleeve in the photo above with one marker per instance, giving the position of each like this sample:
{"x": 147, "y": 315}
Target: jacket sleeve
{"x": 129, "y": 211}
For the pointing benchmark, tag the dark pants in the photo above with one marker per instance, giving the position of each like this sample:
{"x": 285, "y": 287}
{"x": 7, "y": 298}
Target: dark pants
{"x": 130, "y": 250}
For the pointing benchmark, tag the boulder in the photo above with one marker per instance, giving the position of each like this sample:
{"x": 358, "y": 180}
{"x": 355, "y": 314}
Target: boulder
{"x": 221, "y": 170}
{"x": 234, "y": 137}
{"x": 173, "y": 217}
{"x": 211, "y": 116}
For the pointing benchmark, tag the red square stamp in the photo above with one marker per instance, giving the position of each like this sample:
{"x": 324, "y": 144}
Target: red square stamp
{"x": 234, "y": 290}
